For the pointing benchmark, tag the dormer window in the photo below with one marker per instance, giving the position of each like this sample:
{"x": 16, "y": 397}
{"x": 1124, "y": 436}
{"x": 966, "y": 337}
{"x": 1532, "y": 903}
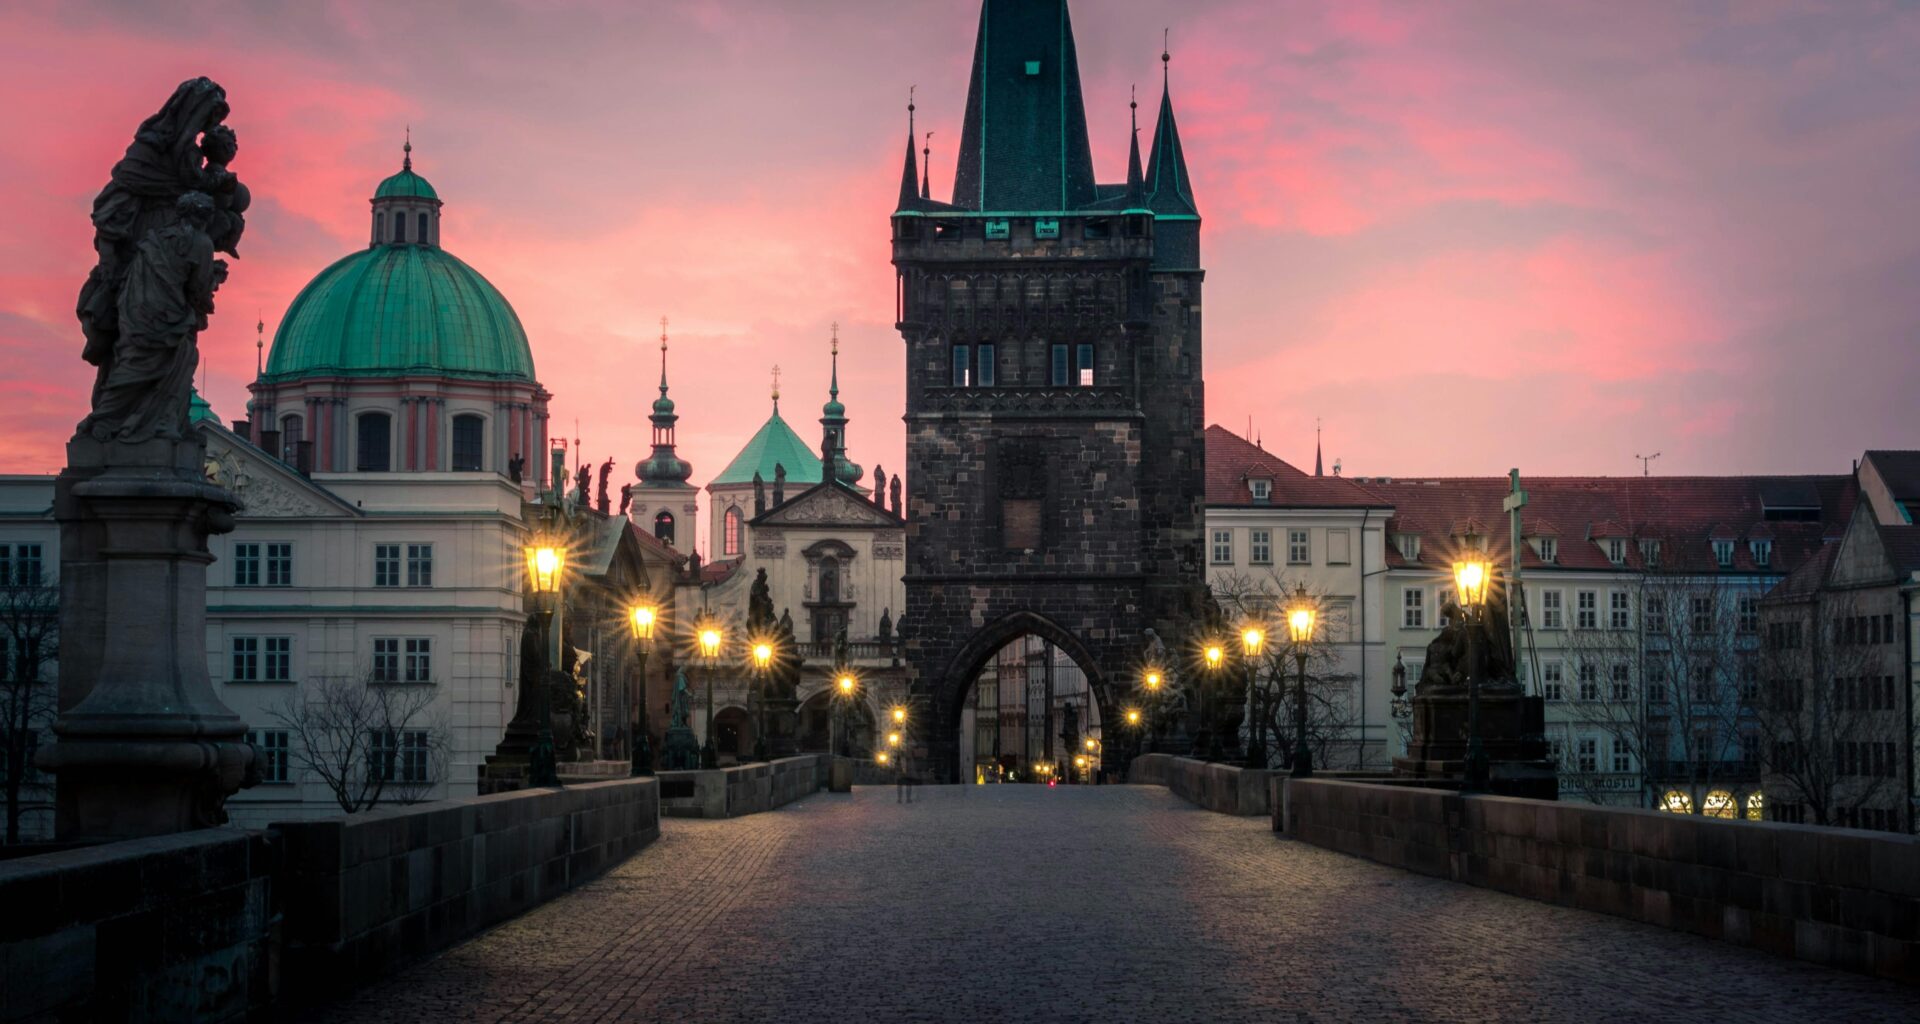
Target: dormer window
{"x": 1548, "y": 548}
{"x": 1262, "y": 490}
{"x": 1723, "y": 553}
{"x": 1762, "y": 551}
{"x": 1617, "y": 550}
{"x": 1410, "y": 546}
{"x": 1649, "y": 552}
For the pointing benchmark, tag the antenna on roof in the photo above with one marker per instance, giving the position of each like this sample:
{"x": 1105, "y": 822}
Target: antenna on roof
{"x": 1645, "y": 461}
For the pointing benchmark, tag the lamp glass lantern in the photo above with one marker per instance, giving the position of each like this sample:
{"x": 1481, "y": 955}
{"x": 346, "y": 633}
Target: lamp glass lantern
{"x": 1252, "y": 638}
{"x": 1471, "y": 577}
{"x": 641, "y": 619}
{"x": 709, "y": 639}
{"x": 762, "y": 654}
{"x": 1214, "y": 653}
{"x": 1152, "y": 679}
{"x": 546, "y": 563}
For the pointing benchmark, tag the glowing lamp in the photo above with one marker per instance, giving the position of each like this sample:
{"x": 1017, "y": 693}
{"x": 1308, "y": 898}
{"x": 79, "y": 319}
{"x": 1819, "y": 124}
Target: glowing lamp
{"x": 709, "y": 642}
{"x": 762, "y": 655}
{"x": 1251, "y": 638}
{"x": 1214, "y": 653}
{"x": 545, "y": 564}
{"x": 1470, "y": 580}
{"x": 1153, "y": 679}
{"x": 641, "y": 618}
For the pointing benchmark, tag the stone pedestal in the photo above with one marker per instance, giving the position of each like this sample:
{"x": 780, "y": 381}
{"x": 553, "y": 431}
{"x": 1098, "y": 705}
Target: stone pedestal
{"x": 1512, "y": 731}
{"x": 782, "y": 721}
{"x": 142, "y": 746}
{"x": 682, "y": 750}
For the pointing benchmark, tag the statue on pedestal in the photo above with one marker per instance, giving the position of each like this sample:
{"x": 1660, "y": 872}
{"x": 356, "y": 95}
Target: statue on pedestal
{"x": 682, "y": 749}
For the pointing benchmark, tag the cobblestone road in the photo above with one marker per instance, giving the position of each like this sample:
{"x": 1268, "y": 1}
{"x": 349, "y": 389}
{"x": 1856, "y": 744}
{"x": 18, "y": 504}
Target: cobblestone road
{"x": 1010, "y": 903}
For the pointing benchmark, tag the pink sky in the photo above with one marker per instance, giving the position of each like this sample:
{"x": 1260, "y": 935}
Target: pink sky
{"x": 1466, "y": 236}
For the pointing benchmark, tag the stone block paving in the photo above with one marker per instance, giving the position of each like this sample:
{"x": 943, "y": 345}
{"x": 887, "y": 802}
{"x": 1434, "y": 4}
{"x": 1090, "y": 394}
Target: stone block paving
{"x": 1115, "y": 903}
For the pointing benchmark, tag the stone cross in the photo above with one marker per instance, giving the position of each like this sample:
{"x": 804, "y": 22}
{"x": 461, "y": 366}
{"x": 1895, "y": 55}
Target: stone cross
{"x": 1515, "y": 500}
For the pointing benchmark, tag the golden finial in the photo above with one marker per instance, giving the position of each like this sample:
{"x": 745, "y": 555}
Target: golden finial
{"x": 776, "y": 382}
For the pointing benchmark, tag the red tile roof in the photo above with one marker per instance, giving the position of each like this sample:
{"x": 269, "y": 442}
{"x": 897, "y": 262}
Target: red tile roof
{"x": 1682, "y": 513}
{"x": 1233, "y": 460}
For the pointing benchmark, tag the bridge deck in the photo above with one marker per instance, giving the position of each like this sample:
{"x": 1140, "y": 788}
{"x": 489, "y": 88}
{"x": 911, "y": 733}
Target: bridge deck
{"x": 1099, "y": 904}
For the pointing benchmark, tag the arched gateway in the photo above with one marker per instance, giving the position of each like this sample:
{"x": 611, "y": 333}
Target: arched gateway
{"x": 1054, "y": 399}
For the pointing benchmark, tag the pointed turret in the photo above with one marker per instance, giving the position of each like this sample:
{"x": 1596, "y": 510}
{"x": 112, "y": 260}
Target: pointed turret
{"x": 1023, "y": 144}
{"x": 1136, "y": 181}
{"x": 833, "y": 425}
{"x": 1169, "y": 193}
{"x": 909, "y": 174}
{"x": 664, "y": 468}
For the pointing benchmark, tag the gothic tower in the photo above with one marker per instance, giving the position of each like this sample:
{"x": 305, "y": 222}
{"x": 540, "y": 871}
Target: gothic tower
{"x": 1054, "y": 397}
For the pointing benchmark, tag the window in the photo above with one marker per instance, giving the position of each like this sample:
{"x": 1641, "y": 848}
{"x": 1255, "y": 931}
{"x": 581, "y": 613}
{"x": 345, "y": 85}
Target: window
{"x": 1649, "y": 552}
{"x": 276, "y": 664}
{"x": 279, "y": 565}
{"x": 1762, "y": 551}
{"x": 1413, "y": 608}
{"x": 1552, "y": 610}
{"x": 1441, "y": 602}
{"x": 386, "y": 565}
{"x": 291, "y": 429}
{"x": 1299, "y": 550}
{"x": 419, "y": 565}
{"x": 1656, "y": 615}
{"x": 1588, "y": 754}
{"x": 985, "y": 360}
{"x": 376, "y": 443}
{"x": 1622, "y": 755}
{"x": 1702, "y": 682}
{"x": 1586, "y": 604}
{"x": 1553, "y": 681}
{"x": 1702, "y": 621}
{"x": 1749, "y": 683}
{"x": 730, "y": 532}
{"x": 246, "y": 660}
{"x": 246, "y": 565}
{"x": 1060, "y": 374}
{"x": 1616, "y": 551}
{"x": 398, "y": 755}
{"x": 399, "y": 227}
{"x": 1549, "y": 548}
{"x": 1656, "y": 682}
{"x": 1260, "y": 546}
{"x": 272, "y": 745}
{"x": 1619, "y": 680}
{"x": 1723, "y": 553}
{"x": 1223, "y": 547}
{"x": 663, "y": 528}
{"x": 386, "y": 659}
{"x": 469, "y": 433}
{"x": 419, "y": 664}
{"x": 1410, "y": 546}
{"x": 962, "y": 366}
{"x": 1619, "y": 610}
{"x": 1589, "y": 682}
{"x": 422, "y": 233}
{"x": 1262, "y": 490}
{"x": 1083, "y": 365}
{"x": 1748, "y": 612}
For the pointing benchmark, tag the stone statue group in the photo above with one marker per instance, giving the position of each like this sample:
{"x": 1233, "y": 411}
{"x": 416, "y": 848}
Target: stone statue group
{"x": 171, "y": 204}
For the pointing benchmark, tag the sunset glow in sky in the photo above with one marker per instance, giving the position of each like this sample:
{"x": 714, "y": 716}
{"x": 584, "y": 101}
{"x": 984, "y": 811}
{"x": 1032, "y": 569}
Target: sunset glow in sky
{"x": 1466, "y": 236}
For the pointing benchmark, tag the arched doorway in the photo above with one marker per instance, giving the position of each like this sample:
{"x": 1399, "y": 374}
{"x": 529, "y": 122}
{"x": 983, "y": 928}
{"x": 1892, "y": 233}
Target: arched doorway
{"x": 732, "y": 734}
{"x": 816, "y": 726}
{"x": 1020, "y": 692}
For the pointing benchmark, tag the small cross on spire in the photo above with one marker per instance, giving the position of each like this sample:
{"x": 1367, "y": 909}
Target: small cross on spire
{"x": 776, "y": 385}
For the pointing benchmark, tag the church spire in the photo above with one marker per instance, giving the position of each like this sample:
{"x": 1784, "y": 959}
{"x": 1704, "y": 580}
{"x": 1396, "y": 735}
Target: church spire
{"x": 1023, "y": 139}
{"x": 664, "y": 468}
{"x": 833, "y": 428}
{"x": 1136, "y": 181}
{"x": 1169, "y": 192}
{"x": 909, "y": 174}
{"x": 1316, "y": 448}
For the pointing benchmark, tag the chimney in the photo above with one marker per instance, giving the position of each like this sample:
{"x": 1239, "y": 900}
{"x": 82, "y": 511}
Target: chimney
{"x": 303, "y": 457}
{"x": 270, "y": 443}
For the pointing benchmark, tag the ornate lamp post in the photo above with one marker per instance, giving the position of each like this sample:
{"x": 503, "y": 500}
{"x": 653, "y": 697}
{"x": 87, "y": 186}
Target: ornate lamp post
{"x": 762, "y": 662}
{"x": 1215, "y": 655}
{"x": 1300, "y": 618}
{"x": 640, "y": 619}
{"x": 1401, "y": 708}
{"x": 844, "y": 685}
{"x": 709, "y": 638}
{"x": 546, "y": 566}
{"x": 1134, "y": 723}
{"x": 1471, "y": 578}
{"x": 1092, "y": 758}
{"x": 1151, "y": 681}
{"x": 1252, "y": 639}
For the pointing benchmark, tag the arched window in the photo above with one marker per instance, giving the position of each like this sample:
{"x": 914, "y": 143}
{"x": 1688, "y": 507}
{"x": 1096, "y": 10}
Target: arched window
{"x": 663, "y": 527}
{"x": 399, "y": 227}
{"x": 829, "y": 581}
{"x": 423, "y": 229}
{"x": 290, "y": 437}
{"x": 468, "y": 434}
{"x": 375, "y": 443}
{"x": 730, "y": 532}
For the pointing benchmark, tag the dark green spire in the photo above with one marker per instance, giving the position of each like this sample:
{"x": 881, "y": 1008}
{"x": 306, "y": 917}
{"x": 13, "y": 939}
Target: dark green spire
{"x": 1136, "y": 182}
{"x": 1023, "y": 145}
{"x": 910, "y": 174}
{"x": 664, "y": 468}
{"x": 1168, "y": 190}
{"x": 833, "y": 425}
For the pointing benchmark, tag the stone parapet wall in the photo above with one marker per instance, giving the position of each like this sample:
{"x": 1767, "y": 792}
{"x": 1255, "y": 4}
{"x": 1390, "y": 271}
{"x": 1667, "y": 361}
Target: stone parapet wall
{"x": 1224, "y": 788}
{"x": 174, "y": 928}
{"x": 368, "y": 893}
{"x": 742, "y": 789}
{"x": 1838, "y": 897}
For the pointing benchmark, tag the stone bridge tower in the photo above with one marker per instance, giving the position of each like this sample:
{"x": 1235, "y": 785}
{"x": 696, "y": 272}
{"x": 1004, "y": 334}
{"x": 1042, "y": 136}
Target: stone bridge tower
{"x": 1054, "y": 397}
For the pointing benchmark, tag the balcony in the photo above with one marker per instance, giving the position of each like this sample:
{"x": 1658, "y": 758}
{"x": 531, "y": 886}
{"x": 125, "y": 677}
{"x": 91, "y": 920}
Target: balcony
{"x": 859, "y": 652}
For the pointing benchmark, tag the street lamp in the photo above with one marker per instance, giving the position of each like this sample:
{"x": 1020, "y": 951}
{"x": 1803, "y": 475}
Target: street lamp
{"x": 1252, "y": 639}
{"x": 709, "y": 638}
{"x": 762, "y": 662}
{"x": 1471, "y": 578}
{"x": 1152, "y": 681}
{"x": 640, "y": 620}
{"x": 1215, "y": 655}
{"x": 546, "y": 567}
{"x": 1300, "y": 616}
{"x": 844, "y": 684}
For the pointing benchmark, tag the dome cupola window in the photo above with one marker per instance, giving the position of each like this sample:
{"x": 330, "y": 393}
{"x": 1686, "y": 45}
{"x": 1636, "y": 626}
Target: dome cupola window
{"x": 406, "y": 209}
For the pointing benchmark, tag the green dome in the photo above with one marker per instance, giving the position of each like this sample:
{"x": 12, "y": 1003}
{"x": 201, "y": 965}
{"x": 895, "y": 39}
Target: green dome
{"x": 405, "y": 185}
{"x": 774, "y": 445}
{"x": 198, "y": 409}
{"x": 394, "y": 310}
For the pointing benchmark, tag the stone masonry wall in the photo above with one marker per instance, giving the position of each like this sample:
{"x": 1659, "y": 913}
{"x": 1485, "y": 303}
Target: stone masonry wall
{"x": 1224, "y": 788}
{"x": 174, "y": 928}
{"x": 369, "y": 893}
{"x": 1838, "y": 897}
{"x": 742, "y": 789}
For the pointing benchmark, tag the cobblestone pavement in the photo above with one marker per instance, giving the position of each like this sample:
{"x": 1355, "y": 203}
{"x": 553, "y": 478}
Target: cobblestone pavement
{"x": 1011, "y": 903}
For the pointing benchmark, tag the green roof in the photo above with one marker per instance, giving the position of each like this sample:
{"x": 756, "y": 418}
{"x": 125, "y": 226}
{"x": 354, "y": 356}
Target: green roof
{"x": 774, "y": 444}
{"x": 198, "y": 409}
{"x": 392, "y": 310}
{"x": 407, "y": 185}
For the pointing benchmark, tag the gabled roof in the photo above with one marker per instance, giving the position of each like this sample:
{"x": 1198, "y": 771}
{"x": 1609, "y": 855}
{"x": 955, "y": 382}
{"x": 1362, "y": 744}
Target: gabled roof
{"x": 1233, "y": 460}
{"x": 271, "y": 488}
{"x": 774, "y": 444}
{"x": 830, "y": 503}
{"x": 1901, "y": 472}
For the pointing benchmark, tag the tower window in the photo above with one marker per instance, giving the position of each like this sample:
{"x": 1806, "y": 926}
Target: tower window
{"x": 1083, "y": 365}
{"x": 663, "y": 528}
{"x": 1061, "y": 370}
{"x": 376, "y": 443}
{"x": 290, "y": 429}
{"x": 399, "y": 227}
{"x": 423, "y": 229}
{"x": 985, "y": 358}
{"x": 468, "y": 431}
{"x": 730, "y": 532}
{"x": 961, "y": 365}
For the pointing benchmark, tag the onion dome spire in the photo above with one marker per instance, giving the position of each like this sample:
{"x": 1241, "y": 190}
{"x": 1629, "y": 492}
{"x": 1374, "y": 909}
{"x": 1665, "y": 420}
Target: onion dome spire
{"x": 833, "y": 426}
{"x": 664, "y": 468}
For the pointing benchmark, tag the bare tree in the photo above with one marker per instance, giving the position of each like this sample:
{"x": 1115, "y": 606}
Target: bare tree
{"x": 368, "y": 741}
{"x": 1334, "y": 736}
{"x": 29, "y": 644}
{"x": 1830, "y": 709}
{"x": 1667, "y": 684}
